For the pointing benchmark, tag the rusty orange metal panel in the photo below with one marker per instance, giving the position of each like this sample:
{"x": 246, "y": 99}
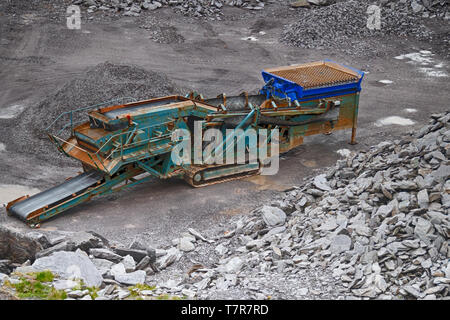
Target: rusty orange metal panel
{"x": 316, "y": 74}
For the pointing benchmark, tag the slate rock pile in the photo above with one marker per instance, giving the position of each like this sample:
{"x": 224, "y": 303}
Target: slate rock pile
{"x": 377, "y": 223}
{"x": 194, "y": 8}
{"x": 424, "y": 8}
{"x": 85, "y": 259}
{"x": 208, "y": 8}
{"x": 343, "y": 25}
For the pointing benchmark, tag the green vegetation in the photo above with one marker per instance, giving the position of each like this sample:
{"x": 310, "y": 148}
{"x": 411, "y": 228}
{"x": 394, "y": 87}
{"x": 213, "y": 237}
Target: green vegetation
{"x": 32, "y": 285}
{"x": 45, "y": 276}
{"x": 135, "y": 290}
{"x": 142, "y": 287}
{"x": 167, "y": 297}
{"x": 93, "y": 292}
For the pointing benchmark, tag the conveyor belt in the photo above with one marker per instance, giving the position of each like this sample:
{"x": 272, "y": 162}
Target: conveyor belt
{"x": 238, "y": 102}
{"x": 51, "y": 197}
{"x": 118, "y": 112}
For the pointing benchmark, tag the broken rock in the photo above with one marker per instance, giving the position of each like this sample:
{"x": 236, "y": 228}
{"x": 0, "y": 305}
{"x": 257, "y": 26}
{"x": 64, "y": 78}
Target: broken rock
{"x": 105, "y": 254}
{"x": 70, "y": 265}
{"x": 133, "y": 278}
{"x": 340, "y": 243}
{"x": 273, "y": 216}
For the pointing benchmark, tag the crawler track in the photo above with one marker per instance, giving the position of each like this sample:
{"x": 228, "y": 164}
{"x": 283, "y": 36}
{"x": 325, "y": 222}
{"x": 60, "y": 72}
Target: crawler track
{"x": 196, "y": 175}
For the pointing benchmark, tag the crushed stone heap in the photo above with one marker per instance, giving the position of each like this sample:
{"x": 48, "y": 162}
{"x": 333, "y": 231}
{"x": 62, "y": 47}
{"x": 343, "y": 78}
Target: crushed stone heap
{"x": 343, "y": 25}
{"x": 194, "y": 8}
{"x": 378, "y": 221}
{"x": 101, "y": 83}
{"x": 375, "y": 226}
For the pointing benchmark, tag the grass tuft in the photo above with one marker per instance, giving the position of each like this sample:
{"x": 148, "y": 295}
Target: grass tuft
{"x": 45, "y": 276}
{"x": 33, "y": 286}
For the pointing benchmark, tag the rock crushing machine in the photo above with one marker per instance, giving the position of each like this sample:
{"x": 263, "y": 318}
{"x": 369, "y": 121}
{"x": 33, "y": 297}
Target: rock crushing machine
{"x": 125, "y": 144}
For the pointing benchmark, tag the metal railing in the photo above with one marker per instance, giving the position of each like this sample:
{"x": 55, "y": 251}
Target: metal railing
{"x": 55, "y": 137}
{"x": 96, "y": 157}
{"x": 129, "y": 133}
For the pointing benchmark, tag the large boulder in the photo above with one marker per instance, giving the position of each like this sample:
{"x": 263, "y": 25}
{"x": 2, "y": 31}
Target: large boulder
{"x": 69, "y": 265}
{"x": 16, "y": 246}
{"x": 273, "y": 216}
{"x": 102, "y": 253}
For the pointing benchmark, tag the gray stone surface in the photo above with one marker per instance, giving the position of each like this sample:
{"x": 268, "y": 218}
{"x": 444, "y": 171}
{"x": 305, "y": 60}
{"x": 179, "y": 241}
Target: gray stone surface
{"x": 273, "y": 216}
{"x": 102, "y": 253}
{"x": 340, "y": 243}
{"x": 185, "y": 244}
{"x": 16, "y": 246}
{"x": 129, "y": 263}
{"x": 133, "y": 278}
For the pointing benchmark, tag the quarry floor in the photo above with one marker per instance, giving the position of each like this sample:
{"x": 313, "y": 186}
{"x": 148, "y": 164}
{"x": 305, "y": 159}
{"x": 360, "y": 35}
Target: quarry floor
{"x": 215, "y": 58}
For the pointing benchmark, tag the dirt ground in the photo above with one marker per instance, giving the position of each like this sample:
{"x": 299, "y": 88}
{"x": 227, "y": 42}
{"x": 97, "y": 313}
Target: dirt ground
{"x": 37, "y": 55}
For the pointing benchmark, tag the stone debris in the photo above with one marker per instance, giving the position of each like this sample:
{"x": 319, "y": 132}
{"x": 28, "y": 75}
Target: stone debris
{"x": 129, "y": 263}
{"x": 211, "y": 9}
{"x": 185, "y": 244}
{"x": 136, "y": 254}
{"x": 342, "y": 25}
{"x": 105, "y": 254}
{"x": 17, "y": 247}
{"x": 65, "y": 284}
{"x": 379, "y": 225}
{"x": 198, "y": 235}
{"x": 173, "y": 254}
{"x": 161, "y": 31}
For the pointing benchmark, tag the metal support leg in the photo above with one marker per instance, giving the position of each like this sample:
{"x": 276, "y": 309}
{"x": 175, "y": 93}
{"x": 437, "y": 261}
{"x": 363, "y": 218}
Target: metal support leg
{"x": 353, "y": 141}
{"x": 355, "y": 120}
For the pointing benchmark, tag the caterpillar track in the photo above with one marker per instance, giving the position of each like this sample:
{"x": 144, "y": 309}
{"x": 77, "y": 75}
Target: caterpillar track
{"x": 201, "y": 176}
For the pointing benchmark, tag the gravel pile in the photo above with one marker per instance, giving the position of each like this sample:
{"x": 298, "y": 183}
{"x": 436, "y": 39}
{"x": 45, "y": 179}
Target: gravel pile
{"x": 18, "y": 7}
{"x": 162, "y": 32}
{"x": 423, "y": 8}
{"x": 104, "y": 82}
{"x": 194, "y": 8}
{"x": 378, "y": 222}
{"x": 343, "y": 26}
{"x": 209, "y": 8}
